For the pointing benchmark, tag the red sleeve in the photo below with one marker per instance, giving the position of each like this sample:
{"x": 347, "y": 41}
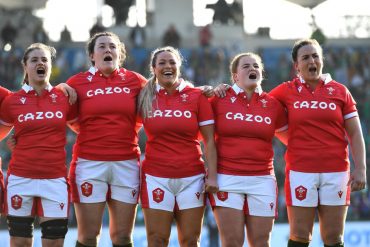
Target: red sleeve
{"x": 72, "y": 112}
{"x": 349, "y": 105}
{"x": 5, "y": 115}
{"x": 205, "y": 113}
{"x": 142, "y": 80}
{"x": 279, "y": 93}
{"x": 281, "y": 118}
{"x": 3, "y": 93}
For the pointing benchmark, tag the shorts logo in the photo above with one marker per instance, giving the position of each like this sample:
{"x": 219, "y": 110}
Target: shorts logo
{"x": 86, "y": 189}
{"x": 133, "y": 192}
{"x": 16, "y": 202}
{"x": 300, "y": 193}
{"x": 222, "y": 196}
{"x": 198, "y": 195}
{"x": 158, "y": 195}
{"x": 340, "y": 193}
{"x": 61, "y": 205}
{"x": 272, "y": 205}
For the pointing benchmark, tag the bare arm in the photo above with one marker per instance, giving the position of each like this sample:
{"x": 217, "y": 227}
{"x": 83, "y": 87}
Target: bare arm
{"x": 357, "y": 179}
{"x": 68, "y": 91}
{"x": 211, "y": 157}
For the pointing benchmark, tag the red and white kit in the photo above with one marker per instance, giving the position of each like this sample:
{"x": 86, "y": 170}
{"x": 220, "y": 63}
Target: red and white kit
{"x": 3, "y": 93}
{"x": 244, "y": 132}
{"x": 108, "y": 131}
{"x": 40, "y": 132}
{"x": 173, "y": 149}
{"x": 317, "y": 138}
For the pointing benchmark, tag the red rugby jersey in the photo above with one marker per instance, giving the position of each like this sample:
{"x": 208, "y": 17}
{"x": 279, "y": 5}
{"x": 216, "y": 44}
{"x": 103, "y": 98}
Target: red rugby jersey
{"x": 244, "y": 131}
{"x": 107, "y": 114}
{"x": 3, "y": 93}
{"x": 317, "y": 138}
{"x": 40, "y": 131}
{"x": 173, "y": 149}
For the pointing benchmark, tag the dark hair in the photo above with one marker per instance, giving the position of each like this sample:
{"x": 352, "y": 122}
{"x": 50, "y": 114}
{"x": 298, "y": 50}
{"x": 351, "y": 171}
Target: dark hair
{"x": 92, "y": 41}
{"x": 303, "y": 42}
{"x": 31, "y": 48}
{"x": 235, "y": 62}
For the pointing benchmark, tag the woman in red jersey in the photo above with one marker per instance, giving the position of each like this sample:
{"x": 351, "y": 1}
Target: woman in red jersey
{"x": 105, "y": 166}
{"x": 173, "y": 184}
{"x": 246, "y": 122}
{"x": 323, "y": 120}
{"x": 36, "y": 183}
{"x": 3, "y": 132}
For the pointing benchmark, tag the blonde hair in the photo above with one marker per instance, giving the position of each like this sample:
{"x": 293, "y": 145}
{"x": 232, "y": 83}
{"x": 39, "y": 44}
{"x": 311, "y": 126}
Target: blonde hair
{"x": 147, "y": 94}
{"x": 235, "y": 62}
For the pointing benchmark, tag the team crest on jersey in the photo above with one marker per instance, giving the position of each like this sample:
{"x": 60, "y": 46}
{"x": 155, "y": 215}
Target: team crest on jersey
{"x": 264, "y": 102}
{"x": 330, "y": 90}
{"x": 89, "y": 78}
{"x": 53, "y": 97}
{"x": 122, "y": 76}
{"x": 184, "y": 97}
{"x": 158, "y": 195}
{"x": 23, "y": 100}
{"x": 340, "y": 193}
{"x": 233, "y": 99}
{"x": 299, "y": 89}
{"x": 300, "y": 193}
{"x": 222, "y": 196}
{"x": 86, "y": 189}
{"x": 16, "y": 202}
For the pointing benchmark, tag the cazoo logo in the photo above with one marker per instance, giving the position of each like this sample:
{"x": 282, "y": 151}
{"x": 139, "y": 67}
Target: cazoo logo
{"x": 169, "y": 113}
{"x": 314, "y": 105}
{"x": 247, "y": 117}
{"x": 107, "y": 90}
{"x": 39, "y": 115}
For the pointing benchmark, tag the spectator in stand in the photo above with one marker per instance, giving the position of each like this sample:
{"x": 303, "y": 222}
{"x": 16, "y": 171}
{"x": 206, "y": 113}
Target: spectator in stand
{"x": 171, "y": 37}
{"x": 8, "y": 34}
{"x": 205, "y": 36}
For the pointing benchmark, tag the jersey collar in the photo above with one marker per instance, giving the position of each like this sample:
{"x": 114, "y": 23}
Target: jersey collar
{"x": 326, "y": 78}
{"x": 238, "y": 90}
{"x": 27, "y": 88}
{"x": 179, "y": 88}
{"x": 93, "y": 70}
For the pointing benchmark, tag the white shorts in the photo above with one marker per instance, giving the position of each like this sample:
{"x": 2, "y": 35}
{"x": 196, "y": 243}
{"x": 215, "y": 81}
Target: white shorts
{"x": 172, "y": 194}
{"x": 36, "y": 197}
{"x": 312, "y": 189}
{"x": 255, "y": 195}
{"x": 98, "y": 181}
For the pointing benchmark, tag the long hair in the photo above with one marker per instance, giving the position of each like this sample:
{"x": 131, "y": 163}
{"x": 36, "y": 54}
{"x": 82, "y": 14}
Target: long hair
{"x": 147, "y": 94}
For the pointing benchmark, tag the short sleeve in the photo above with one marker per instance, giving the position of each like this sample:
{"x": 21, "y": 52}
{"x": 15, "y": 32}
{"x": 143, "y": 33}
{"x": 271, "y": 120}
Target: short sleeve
{"x": 205, "y": 113}
{"x": 349, "y": 106}
{"x": 280, "y": 93}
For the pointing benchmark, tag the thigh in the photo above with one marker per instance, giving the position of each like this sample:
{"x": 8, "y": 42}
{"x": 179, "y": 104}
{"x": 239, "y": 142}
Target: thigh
{"x": 156, "y": 194}
{"x": 121, "y": 217}
{"x": 125, "y": 181}
{"x": 20, "y": 195}
{"x": 301, "y": 220}
{"x": 54, "y": 199}
{"x": 89, "y": 181}
{"x": 332, "y": 220}
{"x": 261, "y": 196}
{"x": 259, "y": 236}
{"x": 334, "y": 190}
{"x": 230, "y": 223}
{"x": 189, "y": 224}
{"x": 158, "y": 224}
{"x": 301, "y": 189}
{"x": 89, "y": 218}
{"x": 189, "y": 192}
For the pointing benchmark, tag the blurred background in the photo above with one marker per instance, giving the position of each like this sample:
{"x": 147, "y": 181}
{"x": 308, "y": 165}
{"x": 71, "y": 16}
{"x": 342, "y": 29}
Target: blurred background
{"x": 208, "y": 33}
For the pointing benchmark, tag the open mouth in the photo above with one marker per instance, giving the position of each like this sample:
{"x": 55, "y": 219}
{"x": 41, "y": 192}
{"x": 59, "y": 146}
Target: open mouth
{"x": 253, "y": 76}
{"x": 312, "y": 69}
{"x": 168, "y": 73}
{"x": 108, "y": 59}
{"x": 40, "y": 71}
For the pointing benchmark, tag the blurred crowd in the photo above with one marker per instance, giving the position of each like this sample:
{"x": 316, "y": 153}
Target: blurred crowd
{"x": 207, "y": 64}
